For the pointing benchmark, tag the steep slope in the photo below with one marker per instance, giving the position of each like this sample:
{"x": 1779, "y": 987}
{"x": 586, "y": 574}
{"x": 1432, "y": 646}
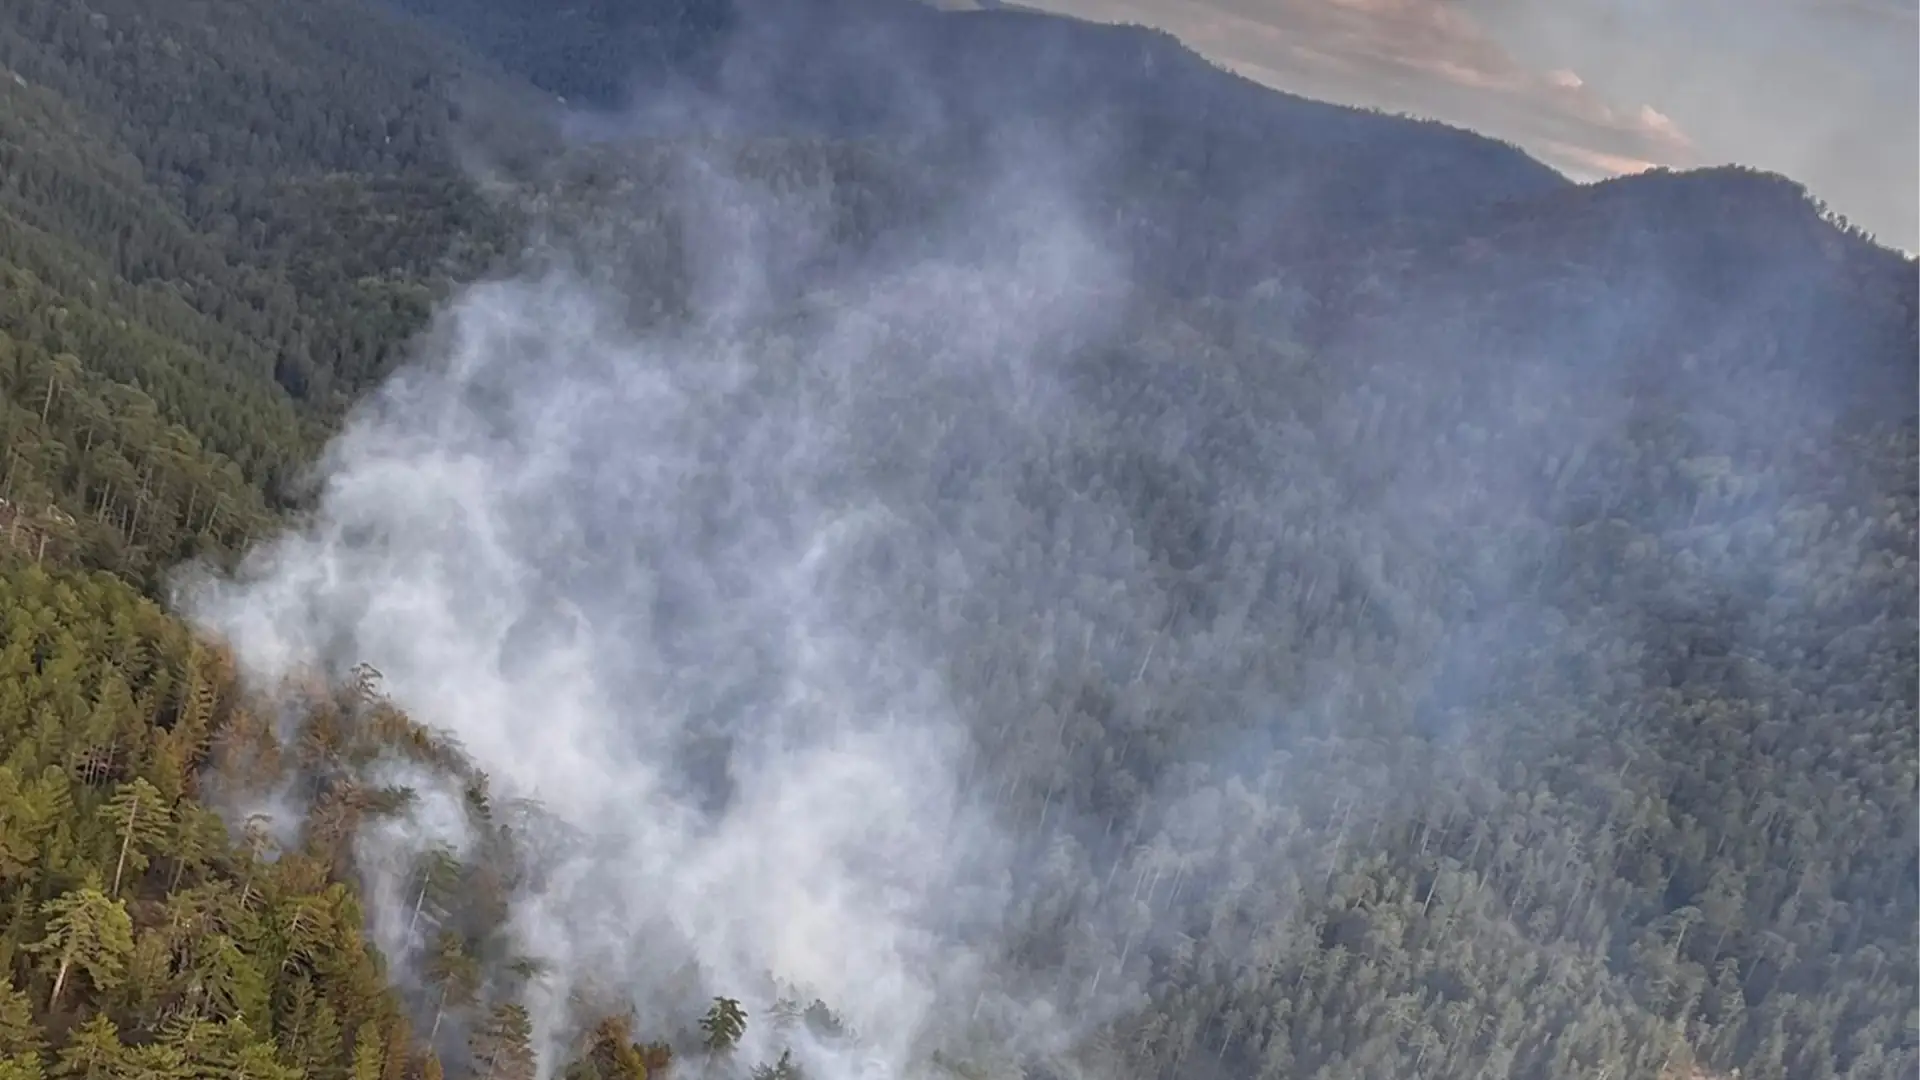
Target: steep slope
{"x": 1736, "y": 273}
{"x": 1215, "y": 176}
{"x": 217, "y": 224}
{"x": 1447, "y": 622}
{"x": 595, "y": 52}
{"x": 1486, "y": 653}
{"x": 235, "y": 131}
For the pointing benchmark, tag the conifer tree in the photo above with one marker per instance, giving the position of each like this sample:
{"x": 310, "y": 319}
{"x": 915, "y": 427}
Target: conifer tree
{"x": 87, "y": 931}
{"x": 723, "y": 1025}
{"x": 93, "y": 1053}
{"x": 143, "y": 821}
{"x": 502, "y": 1047}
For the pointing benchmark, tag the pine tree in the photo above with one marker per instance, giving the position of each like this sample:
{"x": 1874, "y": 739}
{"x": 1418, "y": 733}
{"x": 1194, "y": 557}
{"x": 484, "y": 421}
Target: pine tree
{"x": 611, "y": 1054}
{"x": 93, "y": 1053}
{"x": 229, "y": 984}
{"x": 502, "y": 1048}
{"x": 435, "y": 878}
{"x": 155, "y": 1061}
{"x": 723, "y": 1025}
{"x": 19, "y": 851}
{"x": 198, "y": 834}
{"x": 455, "y": 973}
{"x": 22, "y": 1067}
{"x": 399, "y": 1037}
{"x": 320, "y": 1045}
{"x": 87, "y": 929}
{"x": 369, "y": 1053}
{"x": 19, "y": 1034}
{"x": 143, "y": 821}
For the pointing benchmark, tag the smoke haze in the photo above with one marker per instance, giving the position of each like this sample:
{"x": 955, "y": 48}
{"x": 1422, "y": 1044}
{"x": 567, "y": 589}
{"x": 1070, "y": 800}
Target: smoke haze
{"x": 885, "y": 628}
{"x": 594, "y": 557}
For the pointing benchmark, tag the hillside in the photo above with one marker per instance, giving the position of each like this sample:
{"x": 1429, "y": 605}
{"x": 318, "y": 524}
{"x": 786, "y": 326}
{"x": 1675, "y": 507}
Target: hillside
{"x": 1215, "y": 177}
{"x": 921, "y": 544}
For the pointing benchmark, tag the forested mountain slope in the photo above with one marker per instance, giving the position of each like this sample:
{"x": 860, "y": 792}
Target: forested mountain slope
{"x": 207, "y": 150}
{"x": 232, "y": 214}
{"x": 1386, "y": 611}
{"x": 1212, "y": 176}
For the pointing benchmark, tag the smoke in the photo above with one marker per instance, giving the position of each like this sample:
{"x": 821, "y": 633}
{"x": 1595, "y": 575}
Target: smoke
{"x": 921, "y": 618}
{"x": 674, "y": 585}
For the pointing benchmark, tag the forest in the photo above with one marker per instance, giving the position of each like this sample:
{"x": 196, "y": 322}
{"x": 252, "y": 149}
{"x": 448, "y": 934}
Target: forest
{"x": 1362, "y": 605}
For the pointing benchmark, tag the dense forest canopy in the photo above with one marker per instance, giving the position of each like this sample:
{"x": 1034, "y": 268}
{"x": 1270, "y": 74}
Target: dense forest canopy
{"x": 877, "y": 542}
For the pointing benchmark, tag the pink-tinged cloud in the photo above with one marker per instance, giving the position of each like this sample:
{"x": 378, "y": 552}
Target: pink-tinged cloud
{"x": 1658, "y": 124}
{"x": 1412, "y": 56}
{"x": 1823, "y": 90}
{"x": 1583, "y": 164}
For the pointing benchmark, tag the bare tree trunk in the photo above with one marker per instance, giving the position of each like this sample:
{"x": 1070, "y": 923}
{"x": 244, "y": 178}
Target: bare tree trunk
{"x": 60, "y": 980}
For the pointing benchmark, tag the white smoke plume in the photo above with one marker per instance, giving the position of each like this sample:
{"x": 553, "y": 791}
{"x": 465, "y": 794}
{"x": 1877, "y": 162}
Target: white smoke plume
{"x": 954, "y": 633}
{"x": 593, "y": 553}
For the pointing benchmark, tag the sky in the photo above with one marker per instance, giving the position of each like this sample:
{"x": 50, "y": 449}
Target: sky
{"x": 1825, "y": 91}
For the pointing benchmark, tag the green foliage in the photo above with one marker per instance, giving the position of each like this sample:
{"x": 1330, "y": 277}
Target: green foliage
{"x": 1688, "y": 839}
{"x": 723, "y": 1025}
{"x": 87, "y": 931}
{"x": 160, "y": 948}
{"x": 502, "y": 1047}
{"x": 206, "y": 255}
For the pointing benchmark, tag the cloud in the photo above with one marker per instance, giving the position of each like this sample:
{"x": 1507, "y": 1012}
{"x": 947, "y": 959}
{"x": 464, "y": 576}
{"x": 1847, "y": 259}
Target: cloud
{"x": 1826, "y": 91}
{"x": 1823, "y": 90}
{"x": 1582, "y": 163}
{"x": 1406, "y": 56}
